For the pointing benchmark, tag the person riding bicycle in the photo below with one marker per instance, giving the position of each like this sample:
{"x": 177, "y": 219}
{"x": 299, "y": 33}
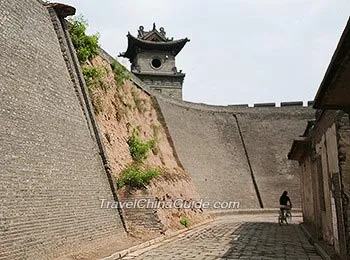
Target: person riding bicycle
{"x": 285, "y": 203}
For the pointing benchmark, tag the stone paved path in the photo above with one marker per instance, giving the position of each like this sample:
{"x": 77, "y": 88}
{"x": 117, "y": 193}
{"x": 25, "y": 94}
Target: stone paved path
{"x": 235, "y": 237}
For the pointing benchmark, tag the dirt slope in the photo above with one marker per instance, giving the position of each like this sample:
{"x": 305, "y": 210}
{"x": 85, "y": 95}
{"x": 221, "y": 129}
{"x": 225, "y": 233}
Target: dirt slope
{"x": 119, "y": 110}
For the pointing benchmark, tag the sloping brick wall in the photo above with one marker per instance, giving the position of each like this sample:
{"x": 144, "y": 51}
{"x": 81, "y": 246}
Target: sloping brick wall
{"x": 209, "y": 145}
{"x": 268, "y": 134}
{"x": 210, "y": 149}
{"x": 52, "y": 175}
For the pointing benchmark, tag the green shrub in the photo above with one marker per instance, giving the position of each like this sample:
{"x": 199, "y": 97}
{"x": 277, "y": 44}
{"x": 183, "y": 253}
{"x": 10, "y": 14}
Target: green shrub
{"x": 136, "y": 176}
{"x": 120, "y": 73}
{"x": 139, "y": 149}
{"x": 86, "y": 46}
{"x": 93, "y": 77}
{"x": 185, "y": 222}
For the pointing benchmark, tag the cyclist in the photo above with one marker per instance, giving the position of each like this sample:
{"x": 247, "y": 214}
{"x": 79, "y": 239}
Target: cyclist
{"x": 285, "y": 203}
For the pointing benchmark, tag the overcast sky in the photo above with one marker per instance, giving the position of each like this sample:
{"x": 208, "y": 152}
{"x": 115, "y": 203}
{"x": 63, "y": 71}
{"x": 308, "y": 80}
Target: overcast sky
{"x": 241, "y": 51}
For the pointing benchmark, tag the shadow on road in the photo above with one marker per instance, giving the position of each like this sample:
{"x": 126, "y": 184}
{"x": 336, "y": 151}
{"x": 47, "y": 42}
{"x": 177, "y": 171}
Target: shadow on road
{"x": 266, "y": 240}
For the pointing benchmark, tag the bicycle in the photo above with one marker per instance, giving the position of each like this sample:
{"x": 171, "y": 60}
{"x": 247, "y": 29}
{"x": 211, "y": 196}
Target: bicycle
{"x": 285, "y": 216}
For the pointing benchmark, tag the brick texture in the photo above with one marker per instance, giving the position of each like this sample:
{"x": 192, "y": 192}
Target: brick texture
{"x": 140, "y": 217}
{"x": 268, "y": 135}
{"x": 208, "y": 143}
{"x": 210, "y": 149}
{"x": 145, "y": 59}
{"x": 52, "y": 175}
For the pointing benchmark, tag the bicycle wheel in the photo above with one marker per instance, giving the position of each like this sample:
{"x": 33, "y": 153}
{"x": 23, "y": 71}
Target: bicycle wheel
{"x": 279, "y": 220}
{"x": 288, "y": 217}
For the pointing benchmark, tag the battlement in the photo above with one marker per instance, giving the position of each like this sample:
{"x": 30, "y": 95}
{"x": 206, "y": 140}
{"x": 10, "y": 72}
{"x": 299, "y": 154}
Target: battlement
{"x": 265, "y": 105}
{"x": 239, "y": 105}
{"x": 190, "y": 104}
{"x": 292, "y": 104}
{"x": 283, "y": 107}
{"x": 273, "y": 104}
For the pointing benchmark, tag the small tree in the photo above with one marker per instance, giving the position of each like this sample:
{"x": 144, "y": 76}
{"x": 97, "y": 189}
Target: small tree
{"x": 86, "y": 46}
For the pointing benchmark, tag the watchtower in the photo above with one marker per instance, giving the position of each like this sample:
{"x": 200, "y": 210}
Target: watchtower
{"x": 152, "y": 57}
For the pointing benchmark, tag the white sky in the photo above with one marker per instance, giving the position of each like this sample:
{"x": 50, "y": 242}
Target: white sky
{"x": 241, "y": 51}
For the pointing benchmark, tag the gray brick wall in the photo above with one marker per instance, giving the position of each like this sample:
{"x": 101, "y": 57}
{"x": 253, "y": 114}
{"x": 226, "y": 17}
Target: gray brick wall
{"x": 171, "y": 92}
{"x": 144, "y": 61}
{"x": 268, "y": 136}
{"x": 140, "y": 217}
{"x": 210, "y": 149}
{"x": 209, "y": 146}
{"x": 161, "y": 79}
{"x": 52, "y": 175}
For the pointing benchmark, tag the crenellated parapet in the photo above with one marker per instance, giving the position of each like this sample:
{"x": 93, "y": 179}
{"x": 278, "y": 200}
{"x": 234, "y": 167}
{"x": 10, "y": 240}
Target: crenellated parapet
{"x": 282, "y": 106}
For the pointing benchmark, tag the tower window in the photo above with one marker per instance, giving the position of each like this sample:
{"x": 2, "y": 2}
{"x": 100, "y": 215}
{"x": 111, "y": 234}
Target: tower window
{"x": 156, "y": 63}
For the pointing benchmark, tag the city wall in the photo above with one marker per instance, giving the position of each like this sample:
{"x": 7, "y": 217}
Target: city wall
{"x": 238, "y": 153}
{"x": 53, "y": 166}
{"x": 52, "y": 174}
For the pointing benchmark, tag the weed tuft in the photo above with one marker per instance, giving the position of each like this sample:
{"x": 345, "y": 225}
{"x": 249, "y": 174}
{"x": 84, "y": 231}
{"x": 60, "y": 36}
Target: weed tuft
{"x": 86, "y": 46}
{"x": 137, "y": 176}
{"x": 185, "y": 222}
{"x": 139, "y": 149}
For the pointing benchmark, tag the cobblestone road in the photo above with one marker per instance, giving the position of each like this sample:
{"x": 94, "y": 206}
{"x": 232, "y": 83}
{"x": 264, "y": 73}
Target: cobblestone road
{"x": 235, "y": 237}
